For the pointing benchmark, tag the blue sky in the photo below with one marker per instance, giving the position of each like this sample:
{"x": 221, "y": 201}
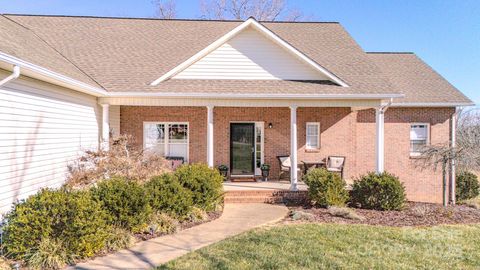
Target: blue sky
{"x": 445, "y": 33}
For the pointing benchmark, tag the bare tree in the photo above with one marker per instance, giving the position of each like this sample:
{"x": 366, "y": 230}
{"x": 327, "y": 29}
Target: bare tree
{"x": 465, "y": 154}
{"x": 262, "y": 10}
{"x": 165, "y": 9}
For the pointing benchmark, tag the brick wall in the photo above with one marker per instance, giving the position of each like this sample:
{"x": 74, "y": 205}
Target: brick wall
{"x": 343, "y": 132}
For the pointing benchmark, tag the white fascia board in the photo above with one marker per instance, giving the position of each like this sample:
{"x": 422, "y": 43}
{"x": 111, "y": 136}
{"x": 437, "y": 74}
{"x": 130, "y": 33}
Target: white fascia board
{"x": 254, "y": 95}
{"x": 219, "y": 42}
{"x": 74, "y": 84}
{"x": 432, "y": 104}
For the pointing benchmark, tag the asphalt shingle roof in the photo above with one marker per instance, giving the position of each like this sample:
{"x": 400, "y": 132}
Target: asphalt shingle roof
{"x": 126, "y": 55}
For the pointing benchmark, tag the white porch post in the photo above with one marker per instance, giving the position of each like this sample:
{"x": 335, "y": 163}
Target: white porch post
{"x": 293, "y": 148}
{"x": 380, "y": 140}
{"x": 210, "y": 136}
{"x": 105, "y": 127}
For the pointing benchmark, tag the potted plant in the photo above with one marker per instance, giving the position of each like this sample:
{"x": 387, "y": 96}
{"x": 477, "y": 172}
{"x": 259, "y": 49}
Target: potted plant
{"x": 223, "y": 169}
{"x": 265, "y": 168}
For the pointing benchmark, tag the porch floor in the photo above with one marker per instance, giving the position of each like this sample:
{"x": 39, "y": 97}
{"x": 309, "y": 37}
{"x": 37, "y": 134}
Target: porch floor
{"x": 269, "y": 185}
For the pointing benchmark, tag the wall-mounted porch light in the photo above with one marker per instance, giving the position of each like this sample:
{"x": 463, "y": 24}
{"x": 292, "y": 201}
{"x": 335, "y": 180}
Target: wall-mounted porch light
{"x": 270, "y": 125}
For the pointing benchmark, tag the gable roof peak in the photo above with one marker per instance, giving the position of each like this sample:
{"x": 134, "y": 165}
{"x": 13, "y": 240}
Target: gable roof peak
{"x": 250, "y": 22}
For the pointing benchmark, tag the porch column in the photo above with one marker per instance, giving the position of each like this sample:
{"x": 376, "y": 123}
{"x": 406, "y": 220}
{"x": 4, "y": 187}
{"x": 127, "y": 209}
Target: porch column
{"x": 293, "y": 148}
{"x": 210, "y": 136}
{"x": 105, "y": 127}
{"x": 380, "y": 140}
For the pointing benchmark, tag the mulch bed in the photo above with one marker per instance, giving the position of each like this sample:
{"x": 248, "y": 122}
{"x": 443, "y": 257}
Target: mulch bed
{"x": 182, "y": 226}
{"x": 414, "y": 214}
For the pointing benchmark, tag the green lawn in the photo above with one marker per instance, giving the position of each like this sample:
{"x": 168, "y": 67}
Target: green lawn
{"x": 317, "y": 246}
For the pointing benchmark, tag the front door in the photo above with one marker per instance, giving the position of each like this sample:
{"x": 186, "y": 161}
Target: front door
{"x": 242, "y": 148}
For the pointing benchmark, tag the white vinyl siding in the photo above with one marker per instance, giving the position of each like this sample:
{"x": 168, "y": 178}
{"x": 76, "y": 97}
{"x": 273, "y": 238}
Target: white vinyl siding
{"x": 250, "y": 55}
{"x": 312, "y": 135}
{"x": 419, "y": 137}
{"x": 42, "y": 128}
{"x": 114, "y": 120}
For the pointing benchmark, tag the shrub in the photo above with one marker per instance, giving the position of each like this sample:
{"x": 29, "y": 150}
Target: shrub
{"x": 378, "y": 191}
{"x": 467, "y": 186}
{"x": 50, "y": 254}
{"x": 56, "y": 217}
{"x": 125, "y": 201}
{"x": 325, "y": 188}
{"x": 204, "y": 182}
{"x": 119, "y": 238}
{"x": 123, "y": 159}
{"x": 161, "y": 223}
{"x": 166, "y": 194}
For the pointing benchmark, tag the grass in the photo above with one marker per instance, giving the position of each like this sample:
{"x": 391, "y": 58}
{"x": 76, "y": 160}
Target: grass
{"x": 334, "y": 246}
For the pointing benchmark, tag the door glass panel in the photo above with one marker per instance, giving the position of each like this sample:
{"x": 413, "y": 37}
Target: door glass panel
{"x": 258, "y": 146}
{"x": 242, "y": 148}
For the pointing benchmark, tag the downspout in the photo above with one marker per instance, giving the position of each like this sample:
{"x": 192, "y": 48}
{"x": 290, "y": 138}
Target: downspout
{"x": 380, "y": 137}
{"x": 15, "y": 74}
{"x": 453, "y": 144}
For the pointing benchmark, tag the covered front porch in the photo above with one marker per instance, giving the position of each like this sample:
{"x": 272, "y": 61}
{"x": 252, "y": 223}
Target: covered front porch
{"x": 206, "y": 130}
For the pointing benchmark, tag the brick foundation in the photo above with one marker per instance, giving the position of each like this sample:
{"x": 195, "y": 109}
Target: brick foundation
{"x": 343, "y": 132}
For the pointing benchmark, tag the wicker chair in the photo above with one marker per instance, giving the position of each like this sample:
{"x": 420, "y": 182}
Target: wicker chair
{"x": 285, "y": 164}
{"x": 336, "y": 164}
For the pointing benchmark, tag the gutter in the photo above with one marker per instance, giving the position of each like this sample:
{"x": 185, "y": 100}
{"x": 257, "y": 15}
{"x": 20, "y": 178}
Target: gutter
{"x": 82, "y": 87}
{"x": 15, "y": 74}
{"x": 434, "y": 104}
{"x": 252, "y": 95}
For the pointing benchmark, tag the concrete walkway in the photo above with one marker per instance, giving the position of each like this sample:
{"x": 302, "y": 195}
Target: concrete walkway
{"x": 236, "y": 218}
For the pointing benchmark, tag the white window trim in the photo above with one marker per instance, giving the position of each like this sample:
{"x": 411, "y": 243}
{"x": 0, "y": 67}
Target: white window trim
{"x": 417, "y": 154}
{"x": 166, "y": 124}
{"x": 318, "y": 135}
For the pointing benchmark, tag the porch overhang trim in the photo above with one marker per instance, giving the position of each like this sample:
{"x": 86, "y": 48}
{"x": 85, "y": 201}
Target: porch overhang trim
{"x": 194, "y": 102}
{"x": 253, "y": 95}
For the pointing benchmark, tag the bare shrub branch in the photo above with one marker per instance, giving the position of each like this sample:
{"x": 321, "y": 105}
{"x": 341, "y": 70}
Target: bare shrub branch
{"x": 123, "y": 159}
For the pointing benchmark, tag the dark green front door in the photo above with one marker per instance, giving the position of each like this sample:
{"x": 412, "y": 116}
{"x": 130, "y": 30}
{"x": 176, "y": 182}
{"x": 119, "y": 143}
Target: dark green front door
{"x": 242, "y": 148}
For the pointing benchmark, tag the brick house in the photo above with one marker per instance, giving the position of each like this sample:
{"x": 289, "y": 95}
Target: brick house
{"x": 238, "y": 93}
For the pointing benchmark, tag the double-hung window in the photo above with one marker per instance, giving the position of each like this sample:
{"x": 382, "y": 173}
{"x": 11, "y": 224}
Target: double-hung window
{"x": 313, "y": 135}
{"x": 419, "y": 137}
{"x": 169, "y": 139}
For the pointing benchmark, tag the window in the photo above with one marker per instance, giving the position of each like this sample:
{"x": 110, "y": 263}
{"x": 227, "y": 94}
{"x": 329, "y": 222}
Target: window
{"x": 419, "y": 137}
{"x": 166, "y": 139}
{"x": 313, "y": 135}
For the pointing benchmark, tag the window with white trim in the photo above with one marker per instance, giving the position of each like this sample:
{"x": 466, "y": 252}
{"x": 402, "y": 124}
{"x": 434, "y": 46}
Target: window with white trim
{"x": 419, "y": 137}
{"x": 169, "y": 139}
{"x": 313, "y": 135}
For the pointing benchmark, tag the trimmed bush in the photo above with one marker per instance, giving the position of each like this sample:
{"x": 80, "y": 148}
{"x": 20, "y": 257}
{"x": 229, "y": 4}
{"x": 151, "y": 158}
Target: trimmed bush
{"x": 125, "y": 201}
{"x": 204, "y": 182}
{"x": 167, "y": 195}
{"x": 378, "y": 191}
{"x": 467, "y": 186}
{"x": 325, "y": 188}
{"x": 52, "y": 218}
